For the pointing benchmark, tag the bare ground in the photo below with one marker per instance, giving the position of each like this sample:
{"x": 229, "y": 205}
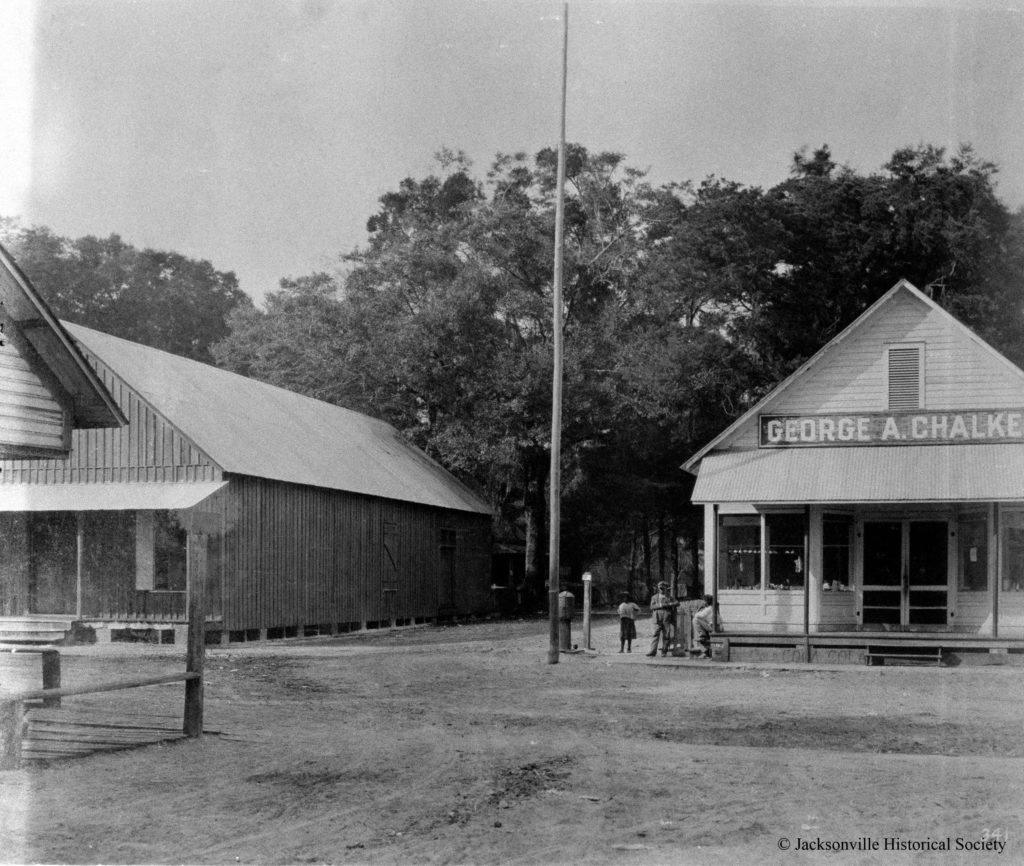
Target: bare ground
{"x": 462, "y": 745}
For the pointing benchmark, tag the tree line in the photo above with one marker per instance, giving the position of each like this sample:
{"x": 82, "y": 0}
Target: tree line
{"x": 683, "y": 304}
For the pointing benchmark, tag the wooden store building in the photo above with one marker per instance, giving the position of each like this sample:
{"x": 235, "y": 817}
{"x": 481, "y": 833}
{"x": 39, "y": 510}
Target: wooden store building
{"x": 295, "y": 516}
{"x": 872, "y": 505}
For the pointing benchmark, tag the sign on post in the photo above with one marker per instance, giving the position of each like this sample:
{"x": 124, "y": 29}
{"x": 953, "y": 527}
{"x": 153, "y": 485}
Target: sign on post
{"x": 586, "y": 610}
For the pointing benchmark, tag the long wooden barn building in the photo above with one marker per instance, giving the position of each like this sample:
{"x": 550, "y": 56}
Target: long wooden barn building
{"x": 296, "y": 516}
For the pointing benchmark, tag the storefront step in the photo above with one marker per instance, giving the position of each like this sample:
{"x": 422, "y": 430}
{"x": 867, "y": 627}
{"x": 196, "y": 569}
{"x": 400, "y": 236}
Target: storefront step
{"x": 903, "y": 656}
{"x": 34, "y": 629}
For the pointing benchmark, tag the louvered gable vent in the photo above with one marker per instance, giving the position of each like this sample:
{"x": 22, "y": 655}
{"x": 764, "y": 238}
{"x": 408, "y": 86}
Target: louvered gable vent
{"x": 905, "y": 378}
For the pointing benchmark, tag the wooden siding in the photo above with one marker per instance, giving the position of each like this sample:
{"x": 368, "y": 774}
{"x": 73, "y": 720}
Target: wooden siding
{"x": 959, "y": 371}
{"x": 296, "y": 556}
{"x": 31, "y": 413}
{"x": 148, "y": 449}
{"x": 14, "y": 554}
{"x": 290, "y": 556}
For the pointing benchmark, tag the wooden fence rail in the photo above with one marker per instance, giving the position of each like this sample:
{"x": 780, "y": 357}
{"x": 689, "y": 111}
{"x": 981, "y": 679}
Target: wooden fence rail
{"x": 12, "y": 712}
{"x": 12, "y": 705}
{"x": 95, "y": 688}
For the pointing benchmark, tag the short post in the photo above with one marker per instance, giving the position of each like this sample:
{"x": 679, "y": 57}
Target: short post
{"x": 11, "y": 720}
{"x": 587, "y": 577}
{"x": 196, "y": 655}
{"x": 51, "y": 675}
{"x": 565, "y": 606}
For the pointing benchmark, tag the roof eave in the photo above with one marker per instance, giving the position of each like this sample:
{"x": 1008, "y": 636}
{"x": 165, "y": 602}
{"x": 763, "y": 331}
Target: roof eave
{"x": 92, "y": 405}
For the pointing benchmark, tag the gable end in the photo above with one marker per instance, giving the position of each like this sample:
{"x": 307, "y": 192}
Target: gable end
{"x": 149, "y": 448}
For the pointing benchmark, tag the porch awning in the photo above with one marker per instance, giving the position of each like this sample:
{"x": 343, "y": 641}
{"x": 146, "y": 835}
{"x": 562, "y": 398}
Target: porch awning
{"x": 115, "y": 496}
{"x": 910, "y": 473}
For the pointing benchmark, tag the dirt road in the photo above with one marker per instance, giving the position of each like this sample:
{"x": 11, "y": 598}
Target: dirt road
{"x": 461, "y": 745}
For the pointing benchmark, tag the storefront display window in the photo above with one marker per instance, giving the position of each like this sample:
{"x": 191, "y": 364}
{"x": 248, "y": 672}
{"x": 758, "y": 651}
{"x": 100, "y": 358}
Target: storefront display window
{"x": 837, "y": 545}
{"x": 972, "y": 532}
{"x": 1012, "y": 532}
{"x": 739, "y": 560}
{"x": 785, "y": 541}
{"x": 742, "y": 546}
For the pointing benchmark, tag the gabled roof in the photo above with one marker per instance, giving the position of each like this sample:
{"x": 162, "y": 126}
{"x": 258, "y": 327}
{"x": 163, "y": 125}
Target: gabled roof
{"x": 252, "y": 428}
{"x": 823, "y": 354}
{"x": 92, "y": 406}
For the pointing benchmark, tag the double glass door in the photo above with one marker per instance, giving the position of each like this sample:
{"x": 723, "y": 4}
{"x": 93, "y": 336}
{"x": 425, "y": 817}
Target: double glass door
{"x": 906, "y": 570}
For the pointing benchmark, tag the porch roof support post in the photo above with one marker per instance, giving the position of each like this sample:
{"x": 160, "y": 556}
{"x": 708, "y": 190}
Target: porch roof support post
{"x": 79, "y": 560}
{"x": 998, "y": 569}
{"x": 711, "y": 561}
{"x": 807, "y": 583}
{"x": 195, "y": 656}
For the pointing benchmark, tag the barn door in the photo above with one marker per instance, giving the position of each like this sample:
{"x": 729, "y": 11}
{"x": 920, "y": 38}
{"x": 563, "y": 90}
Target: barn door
{"x": 446, "y": 584}
{"x": 389, "y": 574}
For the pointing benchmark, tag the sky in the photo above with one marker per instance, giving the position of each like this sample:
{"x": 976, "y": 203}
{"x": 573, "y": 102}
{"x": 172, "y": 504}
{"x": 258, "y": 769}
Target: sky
{"x": 260, "y": 134}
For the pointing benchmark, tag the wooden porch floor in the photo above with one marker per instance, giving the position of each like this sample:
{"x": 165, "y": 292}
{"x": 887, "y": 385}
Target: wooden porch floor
{"x": 854, "y": 646}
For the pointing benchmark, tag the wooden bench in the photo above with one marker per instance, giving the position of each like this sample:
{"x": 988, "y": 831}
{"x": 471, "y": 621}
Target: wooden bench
{"x": 878, "y": 655}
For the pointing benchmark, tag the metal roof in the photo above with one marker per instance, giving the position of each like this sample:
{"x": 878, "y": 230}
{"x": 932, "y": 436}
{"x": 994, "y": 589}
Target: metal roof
{"x": 109, "y": 496}
{"x": 910, "y": 473}
{"x": 252, "y": 428}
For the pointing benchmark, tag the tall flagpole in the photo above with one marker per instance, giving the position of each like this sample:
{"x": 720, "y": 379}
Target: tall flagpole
{"x": 556, "y": 382}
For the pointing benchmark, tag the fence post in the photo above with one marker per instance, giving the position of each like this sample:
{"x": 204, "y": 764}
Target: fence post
{"x": 11, "y": 721}
{"x": 51, "y": 675}
{"x": 196, "y": 655}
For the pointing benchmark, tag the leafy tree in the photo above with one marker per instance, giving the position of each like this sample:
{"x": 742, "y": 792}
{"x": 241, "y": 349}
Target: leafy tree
{"x": 682, "y": 305}
{"x": 158, "y": 298}
{"x": 847, "y": 238}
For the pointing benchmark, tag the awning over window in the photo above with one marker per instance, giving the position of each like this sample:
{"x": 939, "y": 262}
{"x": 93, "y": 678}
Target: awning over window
{"x": 119, "y": 496}
{"x": 912, "y": 473}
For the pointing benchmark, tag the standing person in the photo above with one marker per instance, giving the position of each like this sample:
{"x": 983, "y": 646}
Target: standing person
{"x": 663, "y": 608}
{"x": 703, "y": 626}
{"x": 627, "y": 622}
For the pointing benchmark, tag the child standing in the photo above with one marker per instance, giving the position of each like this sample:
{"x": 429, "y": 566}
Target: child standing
{"x": 627, "y": 623}
{"x": 703, "y": 626}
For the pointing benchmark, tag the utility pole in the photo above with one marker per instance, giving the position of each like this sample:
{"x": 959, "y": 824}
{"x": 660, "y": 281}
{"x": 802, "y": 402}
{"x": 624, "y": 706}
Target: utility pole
{"x": 556, "y": 384}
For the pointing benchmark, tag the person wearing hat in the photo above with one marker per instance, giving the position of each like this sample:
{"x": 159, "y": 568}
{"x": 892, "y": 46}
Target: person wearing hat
{"x": 663, "y": 608}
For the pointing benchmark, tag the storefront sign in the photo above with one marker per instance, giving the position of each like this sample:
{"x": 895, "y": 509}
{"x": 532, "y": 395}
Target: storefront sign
{"x": 892, "y": 428}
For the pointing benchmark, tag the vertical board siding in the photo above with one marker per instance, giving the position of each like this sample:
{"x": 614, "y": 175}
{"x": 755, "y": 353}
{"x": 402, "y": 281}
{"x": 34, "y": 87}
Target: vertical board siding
{"x": 297, "y": 556}
{"x": 14, "y": 567}
{"x": 148, "y": 449}
{"x": 119, "y": 454}
{"x": 291, "y": 555}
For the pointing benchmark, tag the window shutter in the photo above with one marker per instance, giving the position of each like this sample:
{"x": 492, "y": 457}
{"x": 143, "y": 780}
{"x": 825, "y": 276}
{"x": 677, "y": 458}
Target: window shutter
{"x": 905, "y": 378}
